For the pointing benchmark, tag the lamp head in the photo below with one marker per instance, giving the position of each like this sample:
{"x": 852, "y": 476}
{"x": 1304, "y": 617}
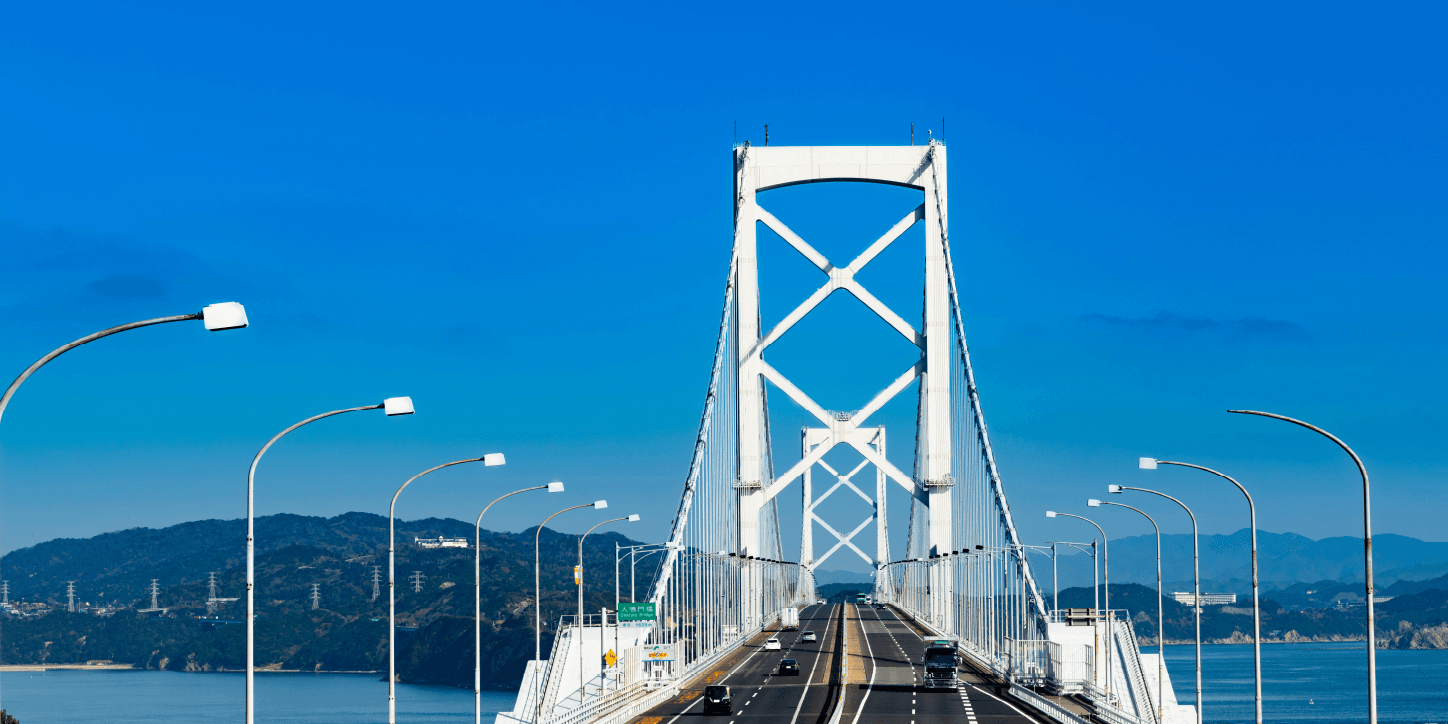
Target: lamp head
{"x": 600, "y": 504}
{"x": 1050, "y": 514}
{"x": 1146, "y": 463}
{"x": 555, "y": 487}
{"x": 226, "y": 315}
{"x": 492, "y": 459}
{"x": 1113, "y": 488}
{"x": 1094, "y": 503}
{"x": 633, "y": 517}
{"x": 395, "y": 406}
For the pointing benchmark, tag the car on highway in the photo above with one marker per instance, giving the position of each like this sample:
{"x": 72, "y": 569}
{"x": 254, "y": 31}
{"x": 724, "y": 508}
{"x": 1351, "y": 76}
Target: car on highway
{"x": 788, "y": 667}
{"x": 716, "y": 698}
{"x": 808, "y": 637}
{"x": 771, "y": 645}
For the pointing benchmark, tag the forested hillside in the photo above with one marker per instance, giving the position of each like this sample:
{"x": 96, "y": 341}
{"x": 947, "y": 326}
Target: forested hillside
{"x": 347, "y": 632}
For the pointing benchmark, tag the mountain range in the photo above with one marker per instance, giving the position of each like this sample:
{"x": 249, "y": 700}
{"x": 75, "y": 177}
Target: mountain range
{"x": 347, "y": 629}
{"x": 1226, "y": 561}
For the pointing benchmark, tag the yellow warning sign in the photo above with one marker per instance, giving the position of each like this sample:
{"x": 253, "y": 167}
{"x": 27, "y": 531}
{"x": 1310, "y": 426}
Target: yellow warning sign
{"x": 610, "y": 657}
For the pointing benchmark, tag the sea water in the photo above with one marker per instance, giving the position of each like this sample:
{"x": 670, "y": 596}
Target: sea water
{"x": 1323, "y": 683}
{"x": 137, "y": 697}
{"x": 1320, "y": 683}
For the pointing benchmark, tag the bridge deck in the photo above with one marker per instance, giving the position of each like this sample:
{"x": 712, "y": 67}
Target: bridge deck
{"x": 883, "y": 682}
{"x": 891, "y": 689}
{"x": 760, "y": 695}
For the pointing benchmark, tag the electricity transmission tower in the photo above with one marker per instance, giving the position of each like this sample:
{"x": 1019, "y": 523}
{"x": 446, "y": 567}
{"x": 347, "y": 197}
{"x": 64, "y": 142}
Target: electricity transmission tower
{"x": 376, "y": 582}
{"x": 155, "y": 593}
{"x": 316, "y": 596}
{"x": 5, "y": 592}
{"x": 70, "y": 596}
{"x": 417, "y": 581}
{"x": 211, "y": 595}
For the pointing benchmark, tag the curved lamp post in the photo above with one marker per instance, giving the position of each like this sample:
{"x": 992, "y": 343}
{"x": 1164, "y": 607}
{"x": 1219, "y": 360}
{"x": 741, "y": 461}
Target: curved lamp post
{"x": 554, "y": 487}
{"x": 538, "y": 608}
{"x": 1150, "y": 464}
{"x": 393, "y": 406}
{"x": 1196, "y": 581}
{"x": 1106, "y": 576}
{"x": 1160, "y": 625}
{"x": 489, "y": 460}
{"x": 1367, "y": 554}
{"x": 603, "y": 624}
{"x": 216, "y": 317}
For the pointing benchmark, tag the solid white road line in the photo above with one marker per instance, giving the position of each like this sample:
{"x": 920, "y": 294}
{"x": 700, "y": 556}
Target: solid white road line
{"x": 819, "y": 655}
{"x": 866, "y": 635}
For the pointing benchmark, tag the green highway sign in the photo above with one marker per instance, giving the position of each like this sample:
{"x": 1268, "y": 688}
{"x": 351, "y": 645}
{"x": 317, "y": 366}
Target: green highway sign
{"x": 637, "y": 612}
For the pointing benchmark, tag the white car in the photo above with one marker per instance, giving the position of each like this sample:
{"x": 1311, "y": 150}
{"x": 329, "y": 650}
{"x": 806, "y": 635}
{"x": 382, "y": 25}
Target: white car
{"x": 771, "y": 645}
{"x": 807, "y": 636}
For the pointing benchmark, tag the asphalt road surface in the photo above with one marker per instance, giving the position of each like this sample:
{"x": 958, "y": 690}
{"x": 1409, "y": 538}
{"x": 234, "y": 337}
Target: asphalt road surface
{"x": 894, "y": 693}
{"x": 759, "y": 694}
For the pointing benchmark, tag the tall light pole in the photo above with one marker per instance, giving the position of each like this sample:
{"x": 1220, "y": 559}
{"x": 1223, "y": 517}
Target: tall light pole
{"x": 488, "y": 460}
{"x": 1095, "y": 580}
{"x": 1196, "y": 581}
{"x": 538, "y": 609}
{"x": 1367, "y": 553}
{"x": 1150, "y": 464}
{"x": 216, "y": 317}
{"x": 1106, "y": 576}
{"x": 1160, "y": 626}
{"x": 554, "y": 487}
{"x": 579, "y": 582}
{"x": 393, "y": 406}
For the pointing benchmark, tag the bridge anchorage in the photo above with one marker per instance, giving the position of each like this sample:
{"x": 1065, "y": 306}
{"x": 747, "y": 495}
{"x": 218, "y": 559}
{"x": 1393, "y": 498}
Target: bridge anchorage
{"x": 723, "y": 586}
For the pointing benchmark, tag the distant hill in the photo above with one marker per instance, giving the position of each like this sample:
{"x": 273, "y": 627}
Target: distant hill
{"x": 347, "y": 632}
{"x": 1283, "y": 559}
{"x": 823, "y": 577}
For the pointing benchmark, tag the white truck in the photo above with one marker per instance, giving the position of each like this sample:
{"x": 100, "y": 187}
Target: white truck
{"x": 789, "y": 618}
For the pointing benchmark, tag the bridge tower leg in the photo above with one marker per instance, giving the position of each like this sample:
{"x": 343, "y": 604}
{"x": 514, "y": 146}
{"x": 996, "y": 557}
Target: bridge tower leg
{"x": 752, "y": 462}
{"x": 806, "y": 531}
{"x": 936, "y": 383}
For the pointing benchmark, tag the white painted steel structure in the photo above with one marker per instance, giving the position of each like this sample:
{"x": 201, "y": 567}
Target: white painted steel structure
{"x": 723, "y": 577}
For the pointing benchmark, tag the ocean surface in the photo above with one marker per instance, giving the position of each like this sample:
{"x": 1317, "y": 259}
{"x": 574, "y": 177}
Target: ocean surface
{"x": 137, "y": 697}
{"x": 1319, "y": 683}
{"x": 1322, "y": 683}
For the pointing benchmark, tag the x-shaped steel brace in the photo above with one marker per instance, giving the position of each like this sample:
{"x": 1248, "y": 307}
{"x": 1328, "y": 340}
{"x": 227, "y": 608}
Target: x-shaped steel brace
{"x": 841, "y": 278}
{"x": 844, "y": 540}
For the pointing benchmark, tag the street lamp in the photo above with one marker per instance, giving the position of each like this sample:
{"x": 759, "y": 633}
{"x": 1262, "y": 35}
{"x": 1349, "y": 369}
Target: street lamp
{"x": 578, "y": 579}
{"x": 1196, "y": 582}
{"x": 554, "y": 487}
{"x": 488, "y": 460}
{"x": 538, "y": 608}
{"x": 393, "y": 406}
{"x": 1106, "y": 577}
{"x": 216, "y": 317}
{"x": 1367, "y": 554}
{"x": 1160, "y": 626}
{"x": 1150, "y": 464}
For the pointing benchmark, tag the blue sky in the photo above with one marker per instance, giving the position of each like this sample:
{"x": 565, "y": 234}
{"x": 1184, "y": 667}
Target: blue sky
{"x": 519, "y": 215}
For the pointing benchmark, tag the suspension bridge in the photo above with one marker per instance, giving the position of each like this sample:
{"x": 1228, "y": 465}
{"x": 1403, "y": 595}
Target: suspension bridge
{"x": 727, "y": 604}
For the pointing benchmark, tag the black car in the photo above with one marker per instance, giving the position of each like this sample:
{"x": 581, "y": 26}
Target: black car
{"x": 788, "y": 667}
{"x": 716, "y": 698}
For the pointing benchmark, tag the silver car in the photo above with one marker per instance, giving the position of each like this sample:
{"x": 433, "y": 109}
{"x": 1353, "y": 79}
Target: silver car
{"x": 808, "y": 637}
